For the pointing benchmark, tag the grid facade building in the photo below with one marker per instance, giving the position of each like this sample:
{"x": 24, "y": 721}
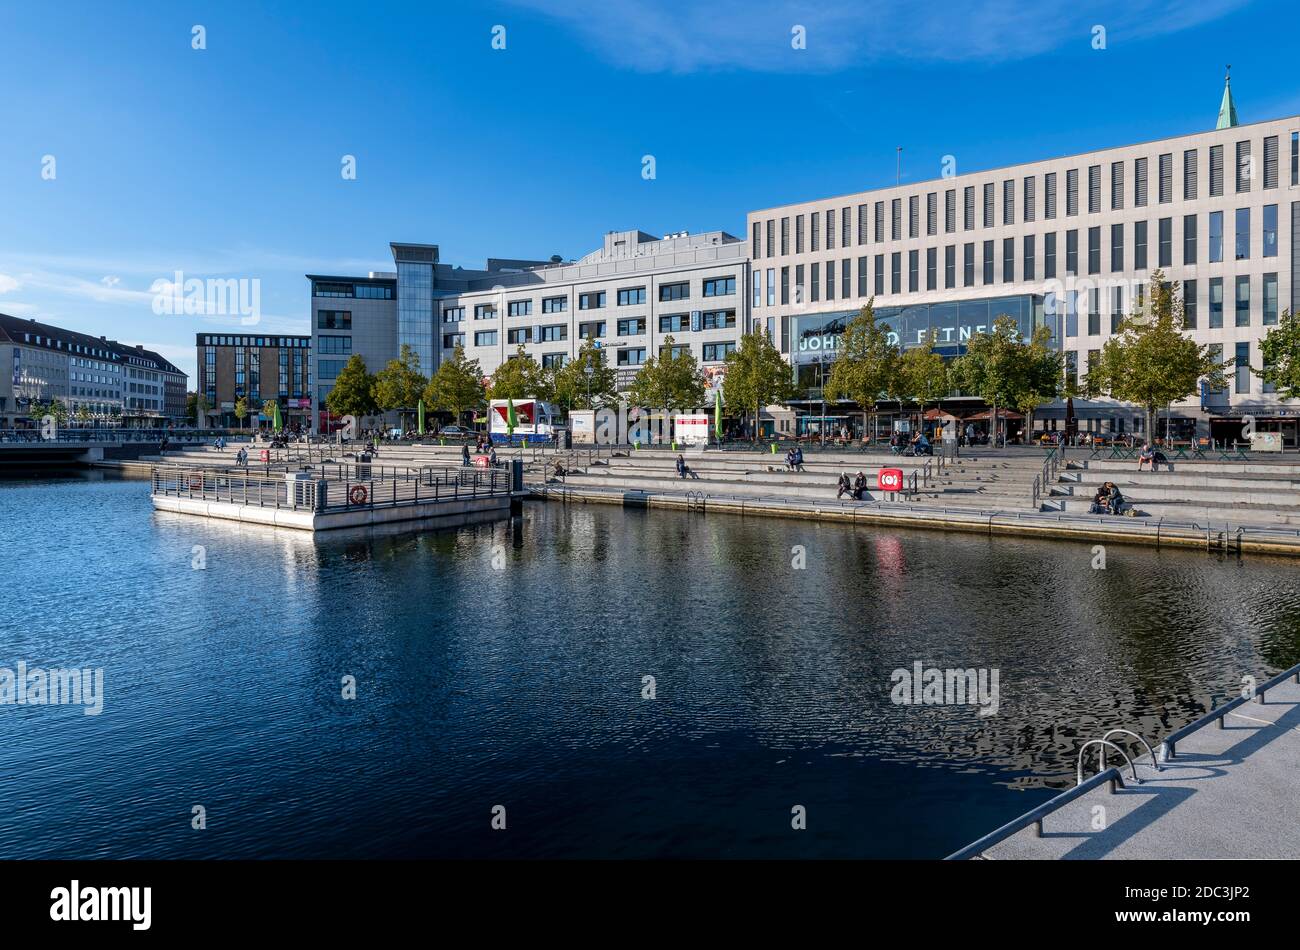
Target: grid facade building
{"x": 1075, "y": 239}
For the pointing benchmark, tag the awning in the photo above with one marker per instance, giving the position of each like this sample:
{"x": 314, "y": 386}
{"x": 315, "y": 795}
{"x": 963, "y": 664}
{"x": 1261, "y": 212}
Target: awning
{"x": 933, "y": 415}
{"x": 988, "y": 414}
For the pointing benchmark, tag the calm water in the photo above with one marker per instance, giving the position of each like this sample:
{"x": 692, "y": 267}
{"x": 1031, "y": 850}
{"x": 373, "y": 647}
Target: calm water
{"x": 522, "y": 686}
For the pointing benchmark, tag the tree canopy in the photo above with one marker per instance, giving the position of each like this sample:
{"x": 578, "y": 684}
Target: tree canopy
{"x": 456, "y": 386}
{"x": 757, "y": 376}
{"x": 400, "y": 384}
{"x": 354, "y": 390}
{"x": 569, "y": 383}
{"x": 1151, "y": 362}
{"x": 1006, "y": 370}
{"x": 1280, "y": 350}
{"x": 867, "y": 363}
{"x": 922, "y": 374}
{"x": 520, "y": 377}
{"x": 667, "y": 382}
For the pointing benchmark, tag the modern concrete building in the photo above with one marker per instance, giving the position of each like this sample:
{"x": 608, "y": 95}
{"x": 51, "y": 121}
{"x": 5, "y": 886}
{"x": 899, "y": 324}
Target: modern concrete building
{"x": 257, "y": 366}
{"x": 629, "y": 296}
{"x": 101, "y": 381}
{"x": 1070, "y": 243}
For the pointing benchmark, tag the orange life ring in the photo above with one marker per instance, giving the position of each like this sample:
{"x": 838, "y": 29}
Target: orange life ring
{"x": 357, "y": 495}
{"x": 196, "y": 483}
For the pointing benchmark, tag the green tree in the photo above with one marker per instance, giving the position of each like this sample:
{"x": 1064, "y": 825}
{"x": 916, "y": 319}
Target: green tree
{"x": 456, "y": 386}
{"x": 575, "y": 389}
{"x": 1008, "y": 371}
{"x": 83, "y": 413}
{"x": 922, "y": 374}
{"x": 519, "y": 377}
{"x": 241, "y": 410}
{"x": 1150, "y": 363}
{"x": 757, "y": 376}
{"x": 667, "y": 382}
{"x": 867, "y": 363}
{"x": 196, "y": 409}
{"x": 400, "y": 384}
{"x": 354, "y": 391}
{"x": 268, "y": 408}
{"x": 1280, "y": 350}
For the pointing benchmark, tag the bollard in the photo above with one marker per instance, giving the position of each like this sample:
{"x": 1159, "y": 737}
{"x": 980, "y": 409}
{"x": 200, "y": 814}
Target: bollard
{"x": 773, "y": 447}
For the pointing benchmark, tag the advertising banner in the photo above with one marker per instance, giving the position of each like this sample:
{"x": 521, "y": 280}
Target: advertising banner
{"x": 692, "y": 429}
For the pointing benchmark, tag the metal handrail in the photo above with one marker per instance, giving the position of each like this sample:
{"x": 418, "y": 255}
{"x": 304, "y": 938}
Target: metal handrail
{"x": 1128, "y": 732}
{"x": 1104, "y": 744}
{"x": 1035, "y": 816}
{"x": 1168, "y": 746}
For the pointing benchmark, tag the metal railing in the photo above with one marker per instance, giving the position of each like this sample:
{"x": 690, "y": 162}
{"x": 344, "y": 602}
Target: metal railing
{"x": 1035, "y": 816}
{"x": 66, "y": 434}
{"x": 1168, "y": 747}
{"x": 1043, "y": 481}
{"x": 344, "y": 487}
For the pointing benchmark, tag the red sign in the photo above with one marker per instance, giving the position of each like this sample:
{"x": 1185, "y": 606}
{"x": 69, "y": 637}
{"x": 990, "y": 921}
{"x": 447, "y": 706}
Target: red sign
{"x": 266, "y": 455}
{"x": 890, "y": 479}
{"x": 482, "y": 461}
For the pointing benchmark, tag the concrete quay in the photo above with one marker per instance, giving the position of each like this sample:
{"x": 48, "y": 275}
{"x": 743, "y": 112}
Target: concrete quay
{"x": 1223, "y": 787}
{"x": 1245, "y": 506}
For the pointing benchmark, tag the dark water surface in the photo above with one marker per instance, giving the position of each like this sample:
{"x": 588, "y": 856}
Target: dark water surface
{"x": 522, "y": 686}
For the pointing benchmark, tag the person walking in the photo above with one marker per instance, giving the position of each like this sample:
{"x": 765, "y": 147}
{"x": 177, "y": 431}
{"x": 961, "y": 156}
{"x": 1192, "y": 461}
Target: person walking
{"x": 464, "y": 454}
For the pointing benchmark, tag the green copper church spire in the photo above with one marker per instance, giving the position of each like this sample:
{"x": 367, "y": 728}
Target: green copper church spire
{"x": 1227, "y": 109}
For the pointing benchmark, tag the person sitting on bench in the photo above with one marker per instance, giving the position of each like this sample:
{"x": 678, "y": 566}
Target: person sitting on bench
{"x": 846, "y": 486}
{"x": 860, "y": 487}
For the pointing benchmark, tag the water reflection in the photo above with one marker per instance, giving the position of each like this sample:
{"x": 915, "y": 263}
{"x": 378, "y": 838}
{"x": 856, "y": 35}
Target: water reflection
{"x": 504, "y": 661}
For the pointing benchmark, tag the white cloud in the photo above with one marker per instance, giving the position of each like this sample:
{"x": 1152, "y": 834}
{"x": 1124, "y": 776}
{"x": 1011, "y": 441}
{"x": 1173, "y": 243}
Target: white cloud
{"x": 8, "y": 283}
{"x": 755, "y": 35}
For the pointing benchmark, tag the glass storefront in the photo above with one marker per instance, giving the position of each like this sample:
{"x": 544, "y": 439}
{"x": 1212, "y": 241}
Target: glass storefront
{"x": 951, "y": 322}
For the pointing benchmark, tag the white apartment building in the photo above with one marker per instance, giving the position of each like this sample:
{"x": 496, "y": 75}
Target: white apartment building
{"x": 1070, "y": 243}
{"x": 629, "y": 297}
{"x": 100, "y": 381}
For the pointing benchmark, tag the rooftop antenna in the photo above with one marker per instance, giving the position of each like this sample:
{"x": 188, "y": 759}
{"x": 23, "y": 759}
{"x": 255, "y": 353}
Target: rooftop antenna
{"x": 898, "y": 167}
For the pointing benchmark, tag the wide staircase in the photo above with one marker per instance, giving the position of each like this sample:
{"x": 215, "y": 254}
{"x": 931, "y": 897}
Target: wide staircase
{"x": 1262, "y": 490}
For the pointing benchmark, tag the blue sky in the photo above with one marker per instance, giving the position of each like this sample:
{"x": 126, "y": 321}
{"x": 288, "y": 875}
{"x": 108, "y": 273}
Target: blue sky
{"x": 225, "y": 162}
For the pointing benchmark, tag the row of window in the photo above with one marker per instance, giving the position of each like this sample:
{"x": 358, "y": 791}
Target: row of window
{"x": 873, "y": 217}
{"x": 626, "y": 356}
{"x": 629, "y": 326}
{"x": 284, "y": 342}
{"x": 1091, "y": 303}
{"x": 814, "y": 281}
{"x": 358, "y": 290}
{"x": 1239, "y": 373}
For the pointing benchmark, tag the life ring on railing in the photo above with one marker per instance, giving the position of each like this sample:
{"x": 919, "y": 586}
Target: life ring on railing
{"x": 196, "y": 483}
{"x": 357, "y": 495}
